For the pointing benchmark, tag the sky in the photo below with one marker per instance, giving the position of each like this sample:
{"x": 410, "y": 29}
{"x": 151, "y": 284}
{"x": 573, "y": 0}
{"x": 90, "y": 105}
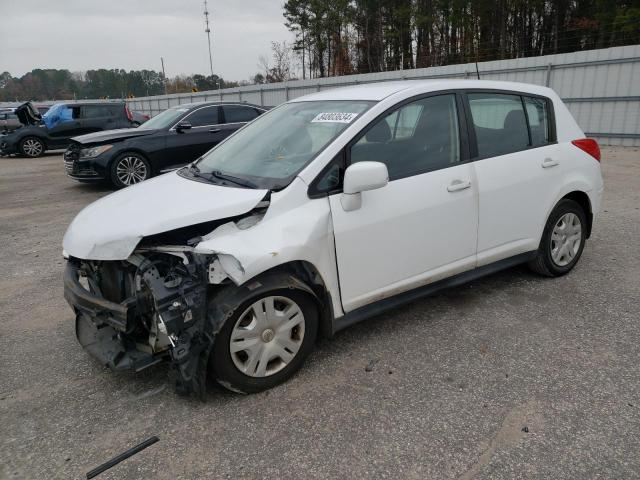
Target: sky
{"x": 83, "y": 35}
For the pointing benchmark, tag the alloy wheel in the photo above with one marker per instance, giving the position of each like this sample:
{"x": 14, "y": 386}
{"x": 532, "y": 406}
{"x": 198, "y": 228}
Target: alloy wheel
{"x": 131, "y": 170}
{"x": 267, "y": 336}
{"x": 32, "y": 147}
{"x": 566, "y": 239}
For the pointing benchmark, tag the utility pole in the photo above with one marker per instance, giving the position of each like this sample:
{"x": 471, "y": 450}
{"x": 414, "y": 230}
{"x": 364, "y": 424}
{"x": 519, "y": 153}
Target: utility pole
{"x": 208, "y": 30}
{"x": 164, "y": 76}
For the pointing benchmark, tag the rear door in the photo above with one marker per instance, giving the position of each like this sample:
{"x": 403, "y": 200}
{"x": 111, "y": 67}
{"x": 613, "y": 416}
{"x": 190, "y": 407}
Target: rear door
{"x": 187, "y": 145}
{"x": 423, "y": 225}
{"x": 518, "y": 168}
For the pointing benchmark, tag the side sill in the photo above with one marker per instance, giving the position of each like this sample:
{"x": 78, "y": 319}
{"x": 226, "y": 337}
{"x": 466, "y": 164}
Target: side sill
{"x": 396, "y": 301}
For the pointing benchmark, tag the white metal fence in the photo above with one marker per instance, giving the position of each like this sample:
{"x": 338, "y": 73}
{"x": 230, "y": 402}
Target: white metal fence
{"x": 600, "y": 87}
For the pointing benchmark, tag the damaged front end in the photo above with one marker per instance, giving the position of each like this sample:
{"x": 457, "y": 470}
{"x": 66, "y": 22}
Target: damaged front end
{"x": 150, "y": 308}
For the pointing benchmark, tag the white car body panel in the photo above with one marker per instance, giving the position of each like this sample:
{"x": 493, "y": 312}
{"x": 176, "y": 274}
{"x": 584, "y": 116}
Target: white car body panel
{"x": 110, "y": 228}
{"x": 514, "y": 190}
{"x": 290, "y": 231}
{"x": 409, "y": 233}
{"x": 390, "y": 244}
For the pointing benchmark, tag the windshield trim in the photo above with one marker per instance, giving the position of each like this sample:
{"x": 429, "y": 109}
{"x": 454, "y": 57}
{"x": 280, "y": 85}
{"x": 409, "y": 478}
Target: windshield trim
{"x": 145, "y": 126}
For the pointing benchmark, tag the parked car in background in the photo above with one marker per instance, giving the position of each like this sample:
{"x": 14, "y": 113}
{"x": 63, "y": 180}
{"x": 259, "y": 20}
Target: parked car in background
{"x": 139, "y": 118}
{"x": 328, "y": 209}
{"x": 168, "y": 141}
{"x": 54, "y": 129}
{"x": 8, "y": 120}
{"x": 43, "y": 108}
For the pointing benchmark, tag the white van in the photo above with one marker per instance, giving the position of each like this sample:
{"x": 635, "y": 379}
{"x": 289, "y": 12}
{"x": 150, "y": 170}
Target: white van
{"x": 322, "y": 212}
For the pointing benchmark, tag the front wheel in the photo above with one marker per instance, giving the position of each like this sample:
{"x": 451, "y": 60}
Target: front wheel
{"x": 562, "y": 241}
{"x": 265, "y": 340}
{"x": 31, "y": 147}
{"x": 129, "y": 169}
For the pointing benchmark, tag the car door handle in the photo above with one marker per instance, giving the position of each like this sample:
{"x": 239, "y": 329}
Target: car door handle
{"x": 550, "y": 162}
{"x": 214, "y": 130}
{"x": 458, "y": 185}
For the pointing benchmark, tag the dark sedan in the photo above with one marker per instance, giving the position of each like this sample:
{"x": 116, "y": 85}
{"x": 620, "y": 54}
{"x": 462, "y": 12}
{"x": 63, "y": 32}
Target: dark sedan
{"x": 167, "y": 141}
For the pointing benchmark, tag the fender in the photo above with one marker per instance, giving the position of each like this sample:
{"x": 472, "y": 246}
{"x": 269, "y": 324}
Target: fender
{"x": 286, "y": 234}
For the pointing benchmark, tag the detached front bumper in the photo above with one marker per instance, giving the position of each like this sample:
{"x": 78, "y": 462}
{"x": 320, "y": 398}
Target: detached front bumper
{"x": 161, "y": 315}
{"x": 101, "y": 323}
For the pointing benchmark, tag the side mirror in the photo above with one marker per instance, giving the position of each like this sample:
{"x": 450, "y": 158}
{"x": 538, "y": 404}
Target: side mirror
{"x": 360, "y": 177}
{"x": 180, "y": 127}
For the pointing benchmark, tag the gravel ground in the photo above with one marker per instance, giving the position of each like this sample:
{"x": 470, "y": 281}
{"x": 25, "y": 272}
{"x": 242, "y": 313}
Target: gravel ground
{"x": 511, "y": 376}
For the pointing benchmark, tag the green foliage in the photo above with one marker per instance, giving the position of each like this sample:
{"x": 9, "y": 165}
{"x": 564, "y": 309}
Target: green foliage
{"x": 54, "y": 84}
{"x": 337, "y": 37}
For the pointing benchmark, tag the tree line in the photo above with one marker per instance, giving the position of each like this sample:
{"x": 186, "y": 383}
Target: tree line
{"x": 55, "y": 84}
{"x": 341, "y": 37}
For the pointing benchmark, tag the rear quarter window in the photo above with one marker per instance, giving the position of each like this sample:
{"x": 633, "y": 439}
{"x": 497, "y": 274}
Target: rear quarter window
{"x": 538, "y": 116}
{"x": 238, "y": 113}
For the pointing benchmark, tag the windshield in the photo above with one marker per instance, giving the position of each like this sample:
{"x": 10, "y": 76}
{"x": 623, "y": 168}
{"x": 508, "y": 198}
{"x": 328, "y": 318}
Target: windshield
{"x": 277, "y": 145}
{"x": 164, "y": 119}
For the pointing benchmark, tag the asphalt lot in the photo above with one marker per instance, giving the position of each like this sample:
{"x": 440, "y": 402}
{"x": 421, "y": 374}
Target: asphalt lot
{"x": 511, "y": 376}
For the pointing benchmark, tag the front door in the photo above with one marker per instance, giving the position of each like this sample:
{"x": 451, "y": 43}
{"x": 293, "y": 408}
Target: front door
{"x": 188, "y": 145}
{"x": 63, "y": 130}
{"x": 422, "y": 226}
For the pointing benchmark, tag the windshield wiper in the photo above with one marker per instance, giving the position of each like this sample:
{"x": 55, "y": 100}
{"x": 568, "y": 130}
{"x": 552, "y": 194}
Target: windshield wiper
{"x": 195, "y": 171}
{"x": 237, "y": 180}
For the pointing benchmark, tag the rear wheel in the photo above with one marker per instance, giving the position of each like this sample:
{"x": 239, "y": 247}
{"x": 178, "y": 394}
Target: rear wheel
{"x": 562, "y": 241}
{"x": 31, "y": 147}
{"x": 128, "y": 169}
{"x": 265, "y": 340}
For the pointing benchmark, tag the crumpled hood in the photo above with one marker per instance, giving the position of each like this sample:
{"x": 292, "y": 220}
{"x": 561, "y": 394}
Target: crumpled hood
{"x": 112, "y": 227}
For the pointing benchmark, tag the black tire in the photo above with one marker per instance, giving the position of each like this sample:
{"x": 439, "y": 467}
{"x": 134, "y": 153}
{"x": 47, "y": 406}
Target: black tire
{"x": 129, "y": 158}
{"x": 32, "y": 147}
{"x": 230, "y": 307}
{"x": 544, "y": 264}
{"x": 135, "y": 124}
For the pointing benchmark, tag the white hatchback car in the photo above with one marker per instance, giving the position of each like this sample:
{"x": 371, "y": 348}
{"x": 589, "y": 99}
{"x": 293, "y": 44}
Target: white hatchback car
{"x": 325, "y": 211}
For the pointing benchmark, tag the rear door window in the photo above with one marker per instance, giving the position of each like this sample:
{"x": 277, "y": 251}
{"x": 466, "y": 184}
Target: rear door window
{"x": 499, "y": 123}
{"x": 204, "y": 117}
{"x": 97, "y": 111}
{"x": 238, "y": 113}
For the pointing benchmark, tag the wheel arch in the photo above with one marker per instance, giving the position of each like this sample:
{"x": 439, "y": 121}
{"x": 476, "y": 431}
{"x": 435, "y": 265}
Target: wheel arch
{"x": 118, "y": 155}
{"x": 582, "y": 199}
{"x": 306, "y": 272}
{"x": 26, "y": 135}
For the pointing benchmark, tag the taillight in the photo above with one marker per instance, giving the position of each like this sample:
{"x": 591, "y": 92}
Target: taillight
{"x": 128, "y": 112}
{"x": 588, "y": 145}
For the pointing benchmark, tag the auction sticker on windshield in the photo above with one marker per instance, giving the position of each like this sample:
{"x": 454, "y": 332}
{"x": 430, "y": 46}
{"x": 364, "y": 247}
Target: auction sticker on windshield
{"x": 334, "y": 117}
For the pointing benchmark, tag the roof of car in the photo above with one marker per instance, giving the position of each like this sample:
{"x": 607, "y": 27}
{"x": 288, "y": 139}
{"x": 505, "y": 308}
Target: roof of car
{"x": 202, "y": 104}
{"x": 88, "y": 102}
{"x": 380, "y": 90}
